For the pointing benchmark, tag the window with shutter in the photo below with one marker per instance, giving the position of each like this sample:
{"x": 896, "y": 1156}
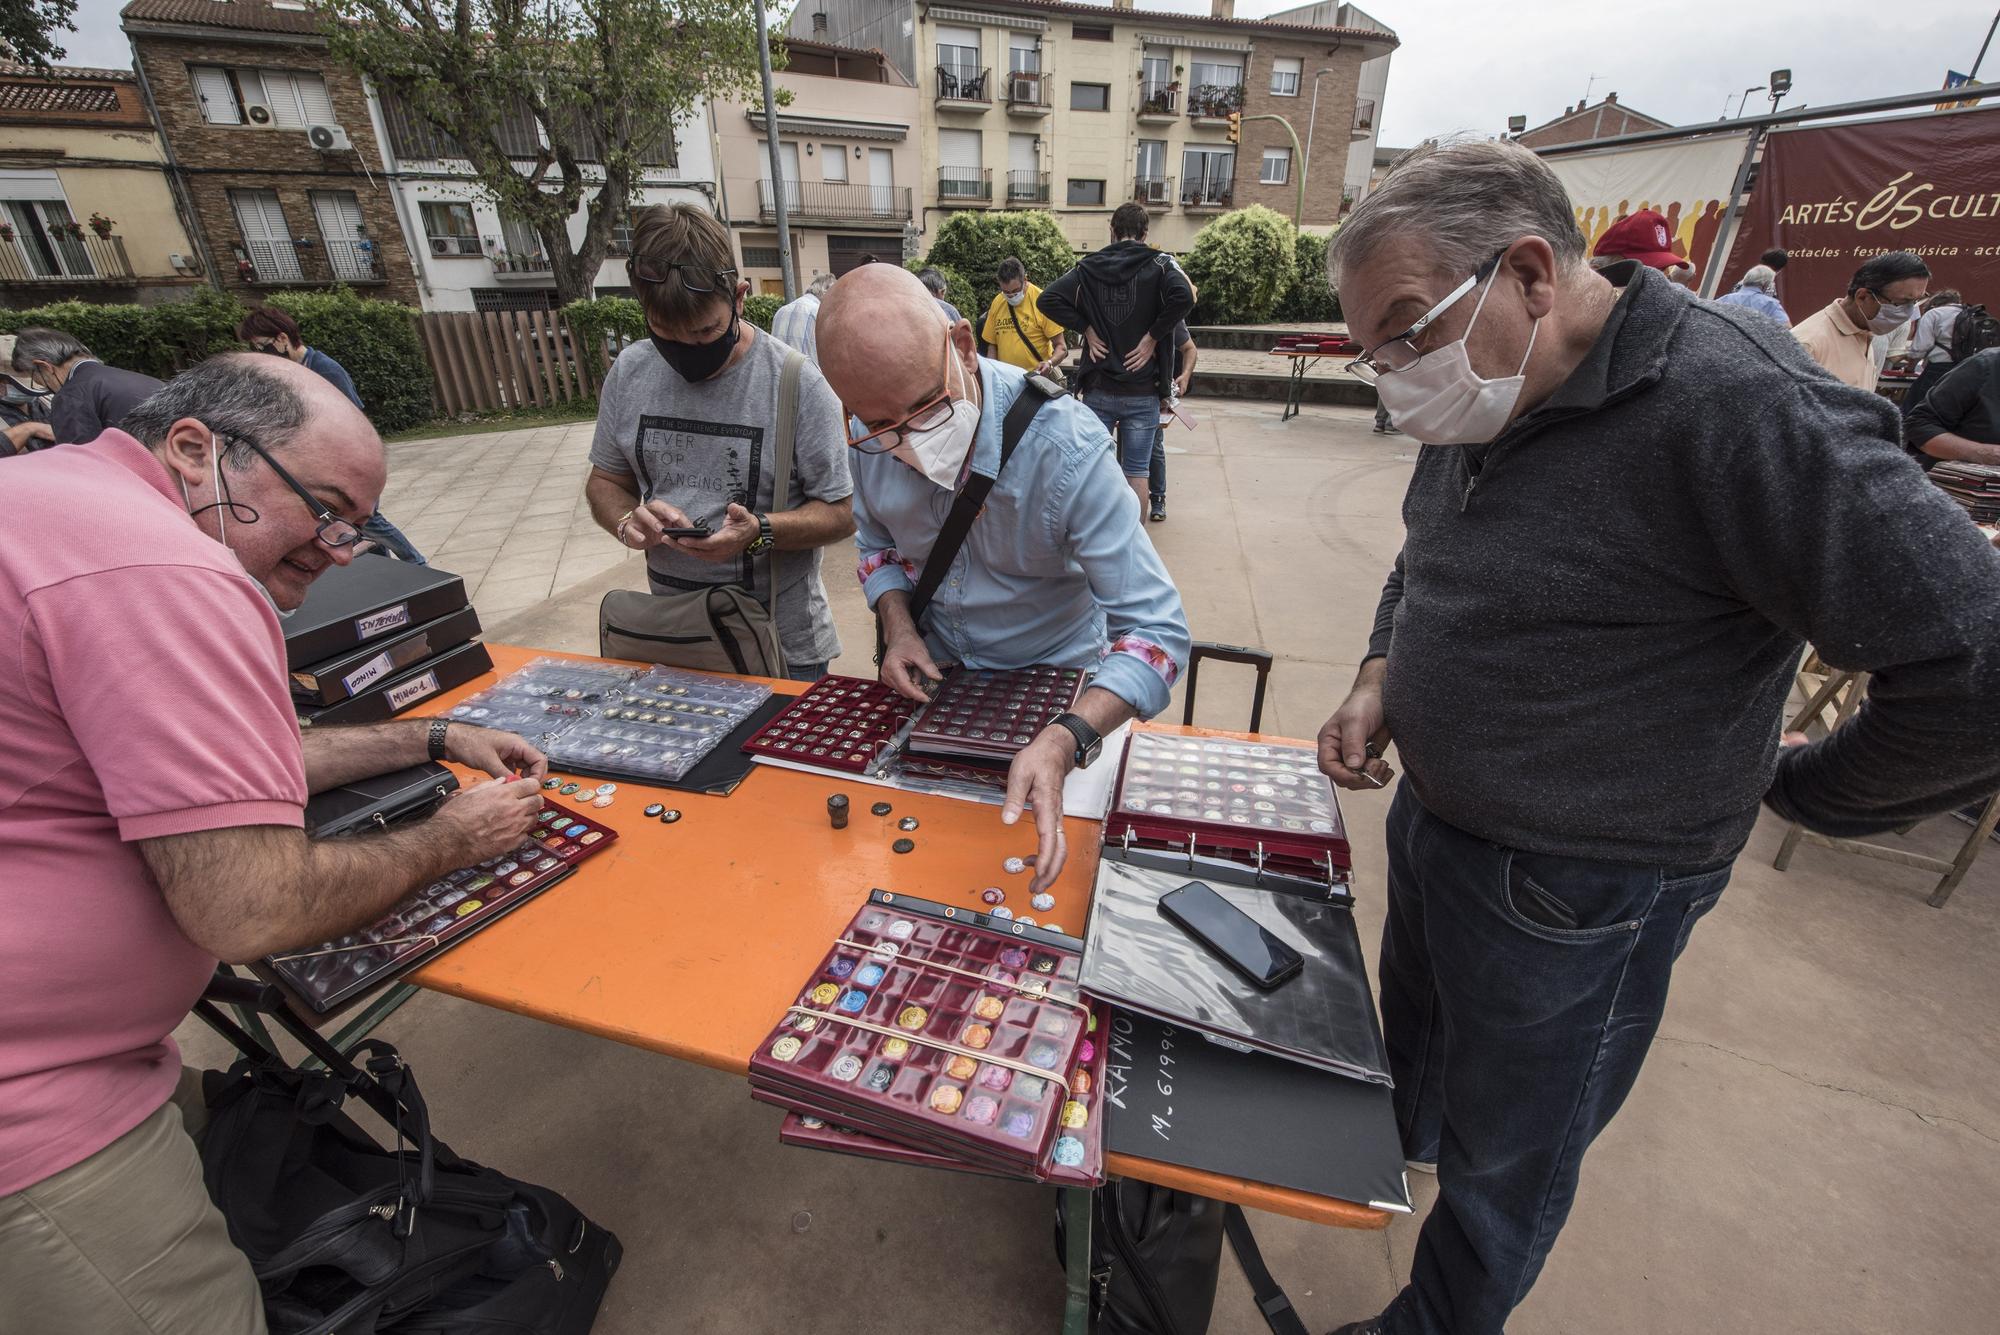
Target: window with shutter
{"x": 216, "y": 95}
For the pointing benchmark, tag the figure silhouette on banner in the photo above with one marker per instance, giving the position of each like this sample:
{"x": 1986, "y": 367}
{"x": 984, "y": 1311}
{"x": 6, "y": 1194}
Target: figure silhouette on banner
{"x": 1675, "y": 244}
{"x": 1705, "y": 229}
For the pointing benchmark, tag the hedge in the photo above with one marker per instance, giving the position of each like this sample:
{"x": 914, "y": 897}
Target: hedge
{"x": 760, "y": 309}
{"x": 1310, "y": 299}
{"x": 1243, "y": 263}
{"x": 161, "y": 341}
{"x": 376, "y": 341}
{"x": 972, "y": 244}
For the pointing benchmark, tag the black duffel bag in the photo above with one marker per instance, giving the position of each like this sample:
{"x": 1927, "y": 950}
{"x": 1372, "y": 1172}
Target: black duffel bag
{"x": 1154, "y": 1256}
{"x": 348, "y": 1238}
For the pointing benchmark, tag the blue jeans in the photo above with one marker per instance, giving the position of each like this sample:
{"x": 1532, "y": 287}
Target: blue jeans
{"x": 1513, "y": 1037}
{"x": 390, "y": 539}
{"x": 806, "y": 671}
{"x": 1134, "y": 423}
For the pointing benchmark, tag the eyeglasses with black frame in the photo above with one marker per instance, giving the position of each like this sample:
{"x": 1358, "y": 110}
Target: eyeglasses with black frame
{"x": 1401, "y": 353}
{"x": 333, "y": 530}
{"x": 649, "y": 270}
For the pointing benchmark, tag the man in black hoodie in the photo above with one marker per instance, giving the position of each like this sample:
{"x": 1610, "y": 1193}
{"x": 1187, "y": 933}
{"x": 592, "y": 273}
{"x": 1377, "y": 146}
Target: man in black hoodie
{"x": 1126, "y": 299}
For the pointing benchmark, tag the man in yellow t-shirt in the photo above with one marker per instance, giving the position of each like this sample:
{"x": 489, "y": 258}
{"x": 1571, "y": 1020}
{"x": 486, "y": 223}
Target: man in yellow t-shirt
{"x": 1016, "y": 331}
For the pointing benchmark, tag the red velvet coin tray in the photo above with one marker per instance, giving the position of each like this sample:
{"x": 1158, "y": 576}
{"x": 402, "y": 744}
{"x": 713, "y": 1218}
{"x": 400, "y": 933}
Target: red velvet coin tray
{"x": 1261, "y": 803}
{"x": 986, "y": 716}
{"x": 1076, "y": 1159}
{"x": 333, "y": 975}
{"x": 937, "y": 1027}
{"x": 840, "y": 723}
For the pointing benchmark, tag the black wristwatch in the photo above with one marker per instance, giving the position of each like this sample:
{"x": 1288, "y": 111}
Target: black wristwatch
{"x": 434, "y": 741}
{"x": 762, "y": 542}
{"x": 1088, "y": 743}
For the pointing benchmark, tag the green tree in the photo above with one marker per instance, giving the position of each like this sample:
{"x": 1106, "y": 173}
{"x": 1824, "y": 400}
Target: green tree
{"x": 1242, "y": 263}
{"x": 971, "y": 245}
{"x": 589, "y": 87}
{"x": 1310, "y": 299}
{"x": 28, "y": 30}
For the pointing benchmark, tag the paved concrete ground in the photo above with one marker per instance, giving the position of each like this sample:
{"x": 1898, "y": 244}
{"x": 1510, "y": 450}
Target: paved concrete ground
{"x": 1814, "y": 1145}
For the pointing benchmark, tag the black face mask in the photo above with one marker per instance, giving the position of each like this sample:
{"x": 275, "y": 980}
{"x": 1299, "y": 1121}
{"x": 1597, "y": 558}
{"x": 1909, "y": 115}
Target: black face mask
{"x": 698, "y": 361}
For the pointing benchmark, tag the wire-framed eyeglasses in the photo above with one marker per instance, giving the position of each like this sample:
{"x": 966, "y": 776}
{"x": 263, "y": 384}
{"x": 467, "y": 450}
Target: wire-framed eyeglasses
{"x": 1401, "y": 353}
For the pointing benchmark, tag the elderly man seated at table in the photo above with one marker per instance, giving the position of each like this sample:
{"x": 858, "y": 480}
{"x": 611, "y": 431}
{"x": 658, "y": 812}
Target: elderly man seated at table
{"x": 1056, "y": 569}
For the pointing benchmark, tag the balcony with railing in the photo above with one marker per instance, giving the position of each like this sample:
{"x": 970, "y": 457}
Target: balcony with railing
{"x": 964, "y": 88}
{"x": 835, "y": 202}
{"x": 516, "y": 264}
{"x": 1027, "y": 190}
{"x": 68, "y": 259}
{"x": 1216, "y": 195}
{"x": 308, "y": 262}
{"x": 1364, "y": 119}
{"x": 1028, "y": 93}
{"x": 965, "y": 185}
{"x": 1159, "y": 101}
{"x": 1211, "y": 103}
{"x": 1155, "y": 192}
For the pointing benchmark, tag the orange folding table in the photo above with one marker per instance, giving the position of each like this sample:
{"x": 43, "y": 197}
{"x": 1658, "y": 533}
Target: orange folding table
{"x": 719, "y": 914}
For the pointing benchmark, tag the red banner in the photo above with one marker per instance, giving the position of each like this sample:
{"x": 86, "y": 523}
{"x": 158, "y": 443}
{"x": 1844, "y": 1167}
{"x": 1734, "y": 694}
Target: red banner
{"x": 1836, "y": 196}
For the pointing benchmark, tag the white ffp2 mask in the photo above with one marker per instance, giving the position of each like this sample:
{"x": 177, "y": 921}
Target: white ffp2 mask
{"x": 940, "y": 452}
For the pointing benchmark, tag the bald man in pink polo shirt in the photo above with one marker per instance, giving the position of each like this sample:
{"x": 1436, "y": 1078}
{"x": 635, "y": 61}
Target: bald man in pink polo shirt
{"x": 151, "y": 817}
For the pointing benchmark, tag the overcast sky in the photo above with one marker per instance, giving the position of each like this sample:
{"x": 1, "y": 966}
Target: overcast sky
{"x": 1467, "y": 65}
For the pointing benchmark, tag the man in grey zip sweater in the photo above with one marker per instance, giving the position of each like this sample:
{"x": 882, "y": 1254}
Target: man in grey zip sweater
{"x": 1631, "y": 511}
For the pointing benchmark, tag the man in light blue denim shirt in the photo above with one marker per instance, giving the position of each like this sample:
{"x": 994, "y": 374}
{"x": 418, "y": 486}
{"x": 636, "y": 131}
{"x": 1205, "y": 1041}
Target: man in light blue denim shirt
{"x": 1057, "y": 568}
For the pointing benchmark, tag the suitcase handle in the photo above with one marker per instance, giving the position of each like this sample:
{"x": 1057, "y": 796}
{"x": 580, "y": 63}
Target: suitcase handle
{"x": 1229, "y": 653}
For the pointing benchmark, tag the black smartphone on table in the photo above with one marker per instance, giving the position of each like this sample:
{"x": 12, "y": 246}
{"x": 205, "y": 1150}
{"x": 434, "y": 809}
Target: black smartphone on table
{"x": 1232, "y": 935}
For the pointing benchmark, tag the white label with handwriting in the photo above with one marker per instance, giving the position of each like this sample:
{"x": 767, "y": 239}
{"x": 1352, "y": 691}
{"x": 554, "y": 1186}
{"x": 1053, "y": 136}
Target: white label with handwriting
{"x": 367, "y": 674}
{"x": 402, "y": 697}
{"x": 389, "y": 618}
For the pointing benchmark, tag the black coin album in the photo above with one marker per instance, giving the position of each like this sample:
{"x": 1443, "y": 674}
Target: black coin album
{"x": 369, "y": 599}
{"x": 332, "y": 680}
{"x": 380, "y": 801}
{"x": 1139, "y": 959}
{"x": 405, "y": 690}
{"x": 1171, "y": 1096}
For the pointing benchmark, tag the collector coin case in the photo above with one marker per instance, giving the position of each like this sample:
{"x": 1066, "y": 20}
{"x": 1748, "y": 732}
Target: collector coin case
{"x": 839, "y": 723}
{"x": 1076, "y": 1159}
{"x": 986, "y": 716}
{"x": 404, "y": 690}
{"x": 331, "y": 976}
{"x": 939, "y": 1028}
{"x": 335, "y": 679}
{"x": 1259, "y": 803}
{"x": 365, "y": 601}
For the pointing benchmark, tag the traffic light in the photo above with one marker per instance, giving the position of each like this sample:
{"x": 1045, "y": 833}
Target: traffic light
{"x": 1235, "y": 127}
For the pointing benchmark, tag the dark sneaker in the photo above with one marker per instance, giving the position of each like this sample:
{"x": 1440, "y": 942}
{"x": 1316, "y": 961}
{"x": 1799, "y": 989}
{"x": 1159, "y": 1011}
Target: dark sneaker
{"x": 1159, "y": 512}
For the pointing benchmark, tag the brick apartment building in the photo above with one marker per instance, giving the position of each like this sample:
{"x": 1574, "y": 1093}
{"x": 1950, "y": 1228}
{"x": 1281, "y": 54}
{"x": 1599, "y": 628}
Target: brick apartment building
{"x": 1593, "y": 120}
{"x": 270, "y": 141}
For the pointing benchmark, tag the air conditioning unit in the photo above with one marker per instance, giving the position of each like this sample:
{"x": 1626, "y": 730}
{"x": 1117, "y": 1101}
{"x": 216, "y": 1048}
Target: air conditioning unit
{"x": 1025, "y": 90}
{"x": 256, "y": 115}
{"x": 441, "y": 245}
{"x": 1156, "y": 191}
{"x": 328, "y": 138}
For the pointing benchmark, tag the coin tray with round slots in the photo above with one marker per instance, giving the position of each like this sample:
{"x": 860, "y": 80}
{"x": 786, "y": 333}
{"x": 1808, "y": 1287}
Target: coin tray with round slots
{"x": 988, "y": 715}
{"x": 1236, "y": 799}
{"x": 329, "y": 977}
{"x": 840, "y": 723}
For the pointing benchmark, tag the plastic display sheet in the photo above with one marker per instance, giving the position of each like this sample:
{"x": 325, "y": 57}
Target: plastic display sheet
{"x": 1076, "y": 1159}
{"x": 1241, "y": 799}
{"x": 543, "y": 699}
{"x": 939, "y": 1028}
{"x": 842, "y": 724}
{"x": 656, "y": 726}
{"x": 1139, "y": 959}
{"x": 333, "y": 974}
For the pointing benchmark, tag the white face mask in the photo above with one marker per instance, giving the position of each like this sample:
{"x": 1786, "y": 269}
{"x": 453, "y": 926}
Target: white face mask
{"x": 1441, "y": 400}
{"x": 940, "y": 453}
{"x": 1889, "y": 318}
{"x": 1016, "y": 298}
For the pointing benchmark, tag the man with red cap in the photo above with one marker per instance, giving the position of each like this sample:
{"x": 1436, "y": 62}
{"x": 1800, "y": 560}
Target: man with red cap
{"x": 1643, "y": 237}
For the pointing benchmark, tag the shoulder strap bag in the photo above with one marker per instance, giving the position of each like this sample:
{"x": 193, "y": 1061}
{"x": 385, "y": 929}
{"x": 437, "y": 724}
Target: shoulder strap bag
{"x": 1026, "y": 342}
{"x": 720, "y": 629}
{"x": 971, "y": 501}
